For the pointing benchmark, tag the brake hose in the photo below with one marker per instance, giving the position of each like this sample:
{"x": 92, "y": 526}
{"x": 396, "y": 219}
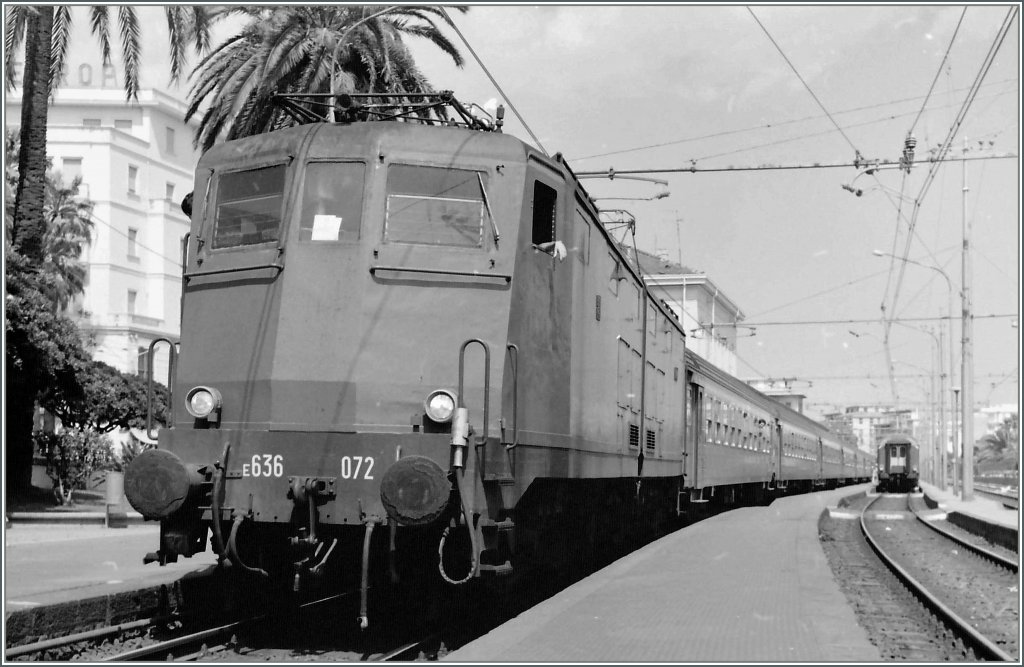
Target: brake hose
{"x": 460, "y": 482}
{"x": 233, "y": 549}
{"x": 218, "y": 487}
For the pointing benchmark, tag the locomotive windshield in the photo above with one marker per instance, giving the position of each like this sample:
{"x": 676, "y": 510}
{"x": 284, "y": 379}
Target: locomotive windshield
{"x": 248, "y": 207}
{"x": 434, "y": 206}
{"x": 332, "y": 201}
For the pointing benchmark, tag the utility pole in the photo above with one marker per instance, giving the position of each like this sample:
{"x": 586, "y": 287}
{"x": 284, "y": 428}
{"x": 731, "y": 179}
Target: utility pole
{"x": 967, "y": 370}
{"x": 956, "y": 431}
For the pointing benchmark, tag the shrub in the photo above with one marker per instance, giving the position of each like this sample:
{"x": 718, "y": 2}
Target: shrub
{"x": 126, "y": 453}
{"x": 72, "y": 456}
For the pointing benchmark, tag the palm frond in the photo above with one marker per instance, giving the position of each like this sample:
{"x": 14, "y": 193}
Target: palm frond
{"x": 15, "y": 19}
{"x": 59, "y": 44}
{"x": 128, "y": 25}
{"x": 100, "y": 22}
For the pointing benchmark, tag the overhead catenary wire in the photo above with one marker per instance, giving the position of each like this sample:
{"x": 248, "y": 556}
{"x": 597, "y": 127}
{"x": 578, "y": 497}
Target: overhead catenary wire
{"x": 938, "y": 72}
{"x": 782, "y": 123}
{"x": 793, "y": 67}
{"x": 874, "y": 320}
{"x": 946, "y": 144}
{"x": 493, "y": 81}
{"x": 694, "y": 169}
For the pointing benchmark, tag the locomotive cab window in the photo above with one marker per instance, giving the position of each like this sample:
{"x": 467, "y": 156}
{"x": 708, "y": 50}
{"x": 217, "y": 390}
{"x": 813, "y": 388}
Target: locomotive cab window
{"x": 248, "y": 207}
{"x": 332, "y": 201}
{"x": 434, "y": 206}
{"x": 544, "y": 199}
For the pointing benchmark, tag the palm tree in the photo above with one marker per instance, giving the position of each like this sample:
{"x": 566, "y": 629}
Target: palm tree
{"x": 68, "y": 231}
{"x": 45, "y": 31}
{"x": 308, "y": 49}
{"x": 68, "y": 220}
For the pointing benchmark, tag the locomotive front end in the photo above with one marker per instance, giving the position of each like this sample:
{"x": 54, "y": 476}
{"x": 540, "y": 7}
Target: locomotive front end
{"x": 335, "y": 276}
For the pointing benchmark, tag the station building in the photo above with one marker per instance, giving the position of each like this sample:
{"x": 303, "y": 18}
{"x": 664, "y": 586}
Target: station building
{"x": 709, "y": 317}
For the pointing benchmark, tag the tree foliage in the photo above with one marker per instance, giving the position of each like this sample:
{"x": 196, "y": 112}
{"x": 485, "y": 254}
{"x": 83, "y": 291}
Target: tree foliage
{"x": 105, "y": 399}
{"x": 308, "y": 49}
{"x": 40, "y": 343}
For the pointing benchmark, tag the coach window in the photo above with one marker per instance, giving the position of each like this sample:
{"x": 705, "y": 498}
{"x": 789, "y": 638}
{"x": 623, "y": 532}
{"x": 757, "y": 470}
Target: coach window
{"x": 332, "y": 201}
{"x": 248, "y": 207}
{"x": 434, "y": 206}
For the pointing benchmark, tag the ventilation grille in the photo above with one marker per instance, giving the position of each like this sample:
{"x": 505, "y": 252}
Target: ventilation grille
{"x": 634, "y": 435}
{"x": 650, "y": 443}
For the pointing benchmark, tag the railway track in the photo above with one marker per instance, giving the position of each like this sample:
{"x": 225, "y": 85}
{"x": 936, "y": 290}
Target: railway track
{"x": 971, "y": 591}
{"x": 1008, "y": 499}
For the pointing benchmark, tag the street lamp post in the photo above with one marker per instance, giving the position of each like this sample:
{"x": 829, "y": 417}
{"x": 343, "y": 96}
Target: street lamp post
{"x": 942, "y": 392}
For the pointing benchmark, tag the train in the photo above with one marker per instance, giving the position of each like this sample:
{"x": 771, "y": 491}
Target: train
{"x": 898, "y": 461}
{"x": 409, "y": 345}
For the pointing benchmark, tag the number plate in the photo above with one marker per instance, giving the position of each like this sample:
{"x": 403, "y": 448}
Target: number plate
{"x": 357, "y": 467}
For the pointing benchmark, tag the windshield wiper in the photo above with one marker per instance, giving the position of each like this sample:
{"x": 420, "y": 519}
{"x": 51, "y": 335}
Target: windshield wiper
{"x": 487, "y": 205}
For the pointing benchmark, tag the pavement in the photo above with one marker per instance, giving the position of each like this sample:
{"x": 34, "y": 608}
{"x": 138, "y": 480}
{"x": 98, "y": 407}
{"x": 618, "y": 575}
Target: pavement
{"x": 749, "y": 585}
{"x": 980, "y": 515}
{"x": 54, "y": 562}
{"x": 986, "y": 509}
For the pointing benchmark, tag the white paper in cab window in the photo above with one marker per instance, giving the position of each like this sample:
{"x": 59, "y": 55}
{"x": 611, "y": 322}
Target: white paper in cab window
{"x": 325, "y": 227}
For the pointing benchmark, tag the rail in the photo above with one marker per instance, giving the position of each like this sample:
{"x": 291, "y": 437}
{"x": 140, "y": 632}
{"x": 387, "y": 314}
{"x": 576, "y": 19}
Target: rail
{"x": 982, "y": 645}
{"x": 233, "y": 269}
{"x": 171, "y": 365}
{"x": 487, "y": 381}
{"x": 1010, "y": 500}
{"x": 996, "y": 558}
{"x": 443, "y": 272}
{"x": 513, "y": 351}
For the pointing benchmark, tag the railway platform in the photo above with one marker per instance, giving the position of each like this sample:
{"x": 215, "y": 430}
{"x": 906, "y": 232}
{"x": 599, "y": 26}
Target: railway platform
{"x": 984, "y": 516}
{"x": 749, "y": 585}
{"x": 73, "y": 571}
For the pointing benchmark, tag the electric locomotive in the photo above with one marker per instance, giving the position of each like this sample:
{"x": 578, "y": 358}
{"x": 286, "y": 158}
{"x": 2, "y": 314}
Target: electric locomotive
{"x": 898, "y": 460}
{"x": 423, "y": 327}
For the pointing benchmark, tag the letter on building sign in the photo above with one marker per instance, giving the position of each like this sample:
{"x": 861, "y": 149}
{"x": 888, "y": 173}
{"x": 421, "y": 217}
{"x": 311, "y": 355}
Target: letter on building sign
{"x": 109, "y": 76}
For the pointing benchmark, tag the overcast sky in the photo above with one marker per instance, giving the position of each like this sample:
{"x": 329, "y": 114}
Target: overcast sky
{"x": 669, "y": 86}
{"x": 599, "y": 83}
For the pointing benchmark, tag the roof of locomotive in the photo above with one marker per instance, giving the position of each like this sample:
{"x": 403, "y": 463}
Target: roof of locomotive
{"x": 325, "y": 140}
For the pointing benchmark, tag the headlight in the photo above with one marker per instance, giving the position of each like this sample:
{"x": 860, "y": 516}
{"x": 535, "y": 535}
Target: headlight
{"x": 201, "y": 402}
{"x": 440, "y": 405}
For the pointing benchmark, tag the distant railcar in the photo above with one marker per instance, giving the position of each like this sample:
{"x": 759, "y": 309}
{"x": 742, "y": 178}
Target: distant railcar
{"x": 898, "y": 460}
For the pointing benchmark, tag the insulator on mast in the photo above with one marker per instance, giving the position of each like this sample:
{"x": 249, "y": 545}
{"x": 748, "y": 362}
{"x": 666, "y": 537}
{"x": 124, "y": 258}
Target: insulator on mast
{"x": 907, "y": 161}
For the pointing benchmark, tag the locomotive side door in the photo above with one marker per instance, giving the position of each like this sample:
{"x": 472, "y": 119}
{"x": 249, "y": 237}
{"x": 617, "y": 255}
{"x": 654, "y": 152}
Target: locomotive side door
{"x": 777, "y": 452}
{"x": 694, "y": 438}
{"x": 541, "y": 310}
{"x": 821, "y": 461}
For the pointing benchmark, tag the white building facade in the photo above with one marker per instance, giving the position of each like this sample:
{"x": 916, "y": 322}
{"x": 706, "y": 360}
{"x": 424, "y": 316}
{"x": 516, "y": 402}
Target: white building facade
{"x": 136, "y": 162}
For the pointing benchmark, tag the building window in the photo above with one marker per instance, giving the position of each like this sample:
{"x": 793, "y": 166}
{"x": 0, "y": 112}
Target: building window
{"x": 90, "y": 122}
{"x": 143, "y": 363}
{"x": 123, "y": 124}
{"x": 133, "y": 178}
{"x": 169, "y": 191}
{"x": 71, "y": 168}
{"x": 169, "y": 140}
{"x": 132, "y": 297}
{"x": 133, "y": 237}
